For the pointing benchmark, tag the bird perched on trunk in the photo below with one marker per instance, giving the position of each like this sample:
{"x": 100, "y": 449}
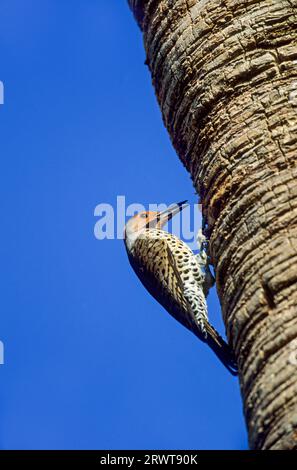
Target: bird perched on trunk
{"x": 177, "y": 278}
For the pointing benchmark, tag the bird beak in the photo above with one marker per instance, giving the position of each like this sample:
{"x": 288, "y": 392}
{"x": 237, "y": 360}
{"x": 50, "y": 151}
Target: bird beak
{"x": 163, "y": 217}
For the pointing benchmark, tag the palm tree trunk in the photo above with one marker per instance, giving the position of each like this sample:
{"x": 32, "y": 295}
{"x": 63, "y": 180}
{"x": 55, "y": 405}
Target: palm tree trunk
{"x": 225, "y": 75}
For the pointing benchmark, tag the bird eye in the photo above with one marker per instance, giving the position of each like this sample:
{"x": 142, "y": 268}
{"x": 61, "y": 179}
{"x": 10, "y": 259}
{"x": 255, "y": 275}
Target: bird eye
{"x": 143, "y": 216}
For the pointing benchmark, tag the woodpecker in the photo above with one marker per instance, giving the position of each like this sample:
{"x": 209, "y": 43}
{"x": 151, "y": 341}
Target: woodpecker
{"x": 177, "y": 278}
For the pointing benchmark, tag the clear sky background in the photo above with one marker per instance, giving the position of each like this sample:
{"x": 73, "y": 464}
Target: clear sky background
{"x": 91, "y": 360}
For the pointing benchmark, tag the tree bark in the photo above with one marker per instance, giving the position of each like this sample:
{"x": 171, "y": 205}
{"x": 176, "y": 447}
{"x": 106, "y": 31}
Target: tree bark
{"x": 225, "y": 75}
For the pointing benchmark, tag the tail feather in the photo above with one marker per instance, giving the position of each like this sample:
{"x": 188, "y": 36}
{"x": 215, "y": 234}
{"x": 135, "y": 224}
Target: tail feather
{"x": 221, "y": 349}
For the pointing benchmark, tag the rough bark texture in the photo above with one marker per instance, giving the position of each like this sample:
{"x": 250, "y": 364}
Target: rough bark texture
{"x": 225, "y": 75}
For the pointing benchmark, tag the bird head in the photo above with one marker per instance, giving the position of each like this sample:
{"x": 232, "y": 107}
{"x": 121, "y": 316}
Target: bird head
{"x": 147, "y": 220}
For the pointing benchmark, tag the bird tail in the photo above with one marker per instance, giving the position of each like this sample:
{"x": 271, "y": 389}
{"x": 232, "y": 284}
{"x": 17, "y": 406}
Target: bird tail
{"x": 221, "y": 349}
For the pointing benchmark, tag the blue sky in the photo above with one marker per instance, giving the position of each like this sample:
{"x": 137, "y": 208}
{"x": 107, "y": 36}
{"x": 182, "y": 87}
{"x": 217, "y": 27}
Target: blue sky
{"x": 91, "y": 360}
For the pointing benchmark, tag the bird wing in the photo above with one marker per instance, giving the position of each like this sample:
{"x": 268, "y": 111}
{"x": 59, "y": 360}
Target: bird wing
{"x": 157, "y": 270}
{"x": 180, "y": 282}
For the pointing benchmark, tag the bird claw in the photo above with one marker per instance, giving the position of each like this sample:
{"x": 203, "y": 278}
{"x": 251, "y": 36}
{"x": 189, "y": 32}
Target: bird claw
{"x": 202, "y": 247}
{"x": 201, "y": 240}
{"x": 203, "y": 261}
